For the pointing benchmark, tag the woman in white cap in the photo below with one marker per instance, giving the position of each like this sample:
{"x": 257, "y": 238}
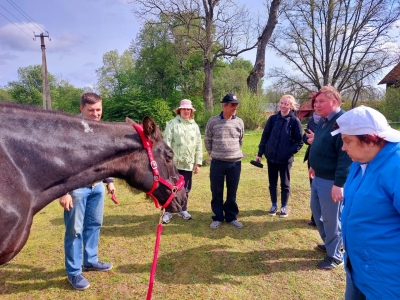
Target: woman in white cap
{"x": 183, "y": 135}
{"x": 371, "y": 212}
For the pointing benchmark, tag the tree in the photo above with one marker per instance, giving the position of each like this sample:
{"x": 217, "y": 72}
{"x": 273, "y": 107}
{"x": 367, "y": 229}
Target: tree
{"x": 28, "y": 88}
{"x": 231, "y": 77}
{"x": 66, "y": 97}
{"x": 117, "y": 73}
{"x": 156, "y": 64}
{"x": 219, "y": 28}
{"x": 258, "y": 71}
{"x": 4, "y": 95}
{"x": 342, "y": 43}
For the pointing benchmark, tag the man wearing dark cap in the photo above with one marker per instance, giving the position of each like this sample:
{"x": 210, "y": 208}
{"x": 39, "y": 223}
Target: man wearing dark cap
{"x": 223, "y": 141}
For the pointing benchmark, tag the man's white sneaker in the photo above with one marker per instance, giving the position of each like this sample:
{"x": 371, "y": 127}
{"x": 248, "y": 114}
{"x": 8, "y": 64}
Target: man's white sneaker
{"x": 167, "y": 217}
{"x": 185, "y": 215}
{"x": 236, "y": 223}
{"x": 215, "y": 224}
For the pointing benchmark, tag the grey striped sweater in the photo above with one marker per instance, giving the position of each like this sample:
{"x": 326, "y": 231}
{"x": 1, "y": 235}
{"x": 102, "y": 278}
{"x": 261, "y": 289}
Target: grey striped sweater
{"x": 224, "y": 137}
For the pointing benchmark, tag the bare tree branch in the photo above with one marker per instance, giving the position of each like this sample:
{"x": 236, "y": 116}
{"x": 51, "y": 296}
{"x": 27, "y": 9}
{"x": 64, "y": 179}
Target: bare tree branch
{"x": 338, "y": 42}
{"x": 220, "y": 28}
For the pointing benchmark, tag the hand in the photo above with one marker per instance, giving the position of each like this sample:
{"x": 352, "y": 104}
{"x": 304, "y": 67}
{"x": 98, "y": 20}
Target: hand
{"x": 196, "y": 169}
{"x": 310, "y": 136}
{"x": 311, "y": 173}
{"x": 66, "y": 202}
{"x": 258, "y": 158}
{"x": 110, "y": 188}
{"x": 337, "y": 194}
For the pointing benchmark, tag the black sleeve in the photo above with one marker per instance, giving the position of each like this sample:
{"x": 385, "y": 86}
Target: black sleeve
{"x": 296, "y": 136}
{"x": 265, "y": 135}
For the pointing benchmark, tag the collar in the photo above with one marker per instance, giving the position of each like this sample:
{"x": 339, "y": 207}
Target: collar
{"x": 183, "y": 120}
{"x": 332, "y": 114}
{"x": 221, "y": 115}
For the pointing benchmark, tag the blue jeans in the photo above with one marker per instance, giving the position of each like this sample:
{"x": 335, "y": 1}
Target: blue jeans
{"x": 322, "y": 205}
{"x": 82, "y": 227}
{"x": 352, "y": 292}
{"x": 221, "y": 171}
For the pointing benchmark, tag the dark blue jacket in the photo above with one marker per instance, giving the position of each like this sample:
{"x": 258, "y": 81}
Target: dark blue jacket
{"x": 281, "y": 138}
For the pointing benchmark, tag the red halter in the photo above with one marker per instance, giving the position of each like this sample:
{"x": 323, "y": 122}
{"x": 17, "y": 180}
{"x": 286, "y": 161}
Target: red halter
{"x": 148, "y": 145}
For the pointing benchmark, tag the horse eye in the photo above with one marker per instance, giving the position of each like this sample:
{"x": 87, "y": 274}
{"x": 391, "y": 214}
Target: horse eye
{"x": 169, "y": 155}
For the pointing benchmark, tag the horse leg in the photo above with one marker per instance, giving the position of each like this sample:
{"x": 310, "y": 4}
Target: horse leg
{"x": 15, "y": 223}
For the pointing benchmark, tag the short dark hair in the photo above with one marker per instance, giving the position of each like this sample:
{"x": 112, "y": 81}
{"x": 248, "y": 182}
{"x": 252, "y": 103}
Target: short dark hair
{"x": 371, "y": 139}
{"x": 89, "y": 98}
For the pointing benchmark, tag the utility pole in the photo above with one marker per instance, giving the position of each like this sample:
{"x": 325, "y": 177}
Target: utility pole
{"x": 45, "y": 79}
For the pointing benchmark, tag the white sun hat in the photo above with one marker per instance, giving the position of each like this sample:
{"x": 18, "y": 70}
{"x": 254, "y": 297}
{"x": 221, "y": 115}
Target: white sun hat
{"x": 185, "y": 103}
{"x": 366, "y": 120}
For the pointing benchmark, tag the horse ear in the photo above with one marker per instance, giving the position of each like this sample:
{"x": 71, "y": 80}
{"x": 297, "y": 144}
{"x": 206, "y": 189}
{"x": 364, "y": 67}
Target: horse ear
{"x": 149, "y": 126}
{"x": 129, "y": 121}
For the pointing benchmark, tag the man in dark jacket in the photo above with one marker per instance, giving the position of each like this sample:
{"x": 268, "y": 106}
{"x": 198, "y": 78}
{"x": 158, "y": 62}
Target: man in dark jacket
{"x": 329, "y": 166}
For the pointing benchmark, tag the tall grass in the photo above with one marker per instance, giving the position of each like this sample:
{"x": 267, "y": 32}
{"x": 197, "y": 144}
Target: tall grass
{"x": 270, "y": 258}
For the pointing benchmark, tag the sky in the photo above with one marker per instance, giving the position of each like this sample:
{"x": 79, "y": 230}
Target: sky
{"x": 80, "y": 32}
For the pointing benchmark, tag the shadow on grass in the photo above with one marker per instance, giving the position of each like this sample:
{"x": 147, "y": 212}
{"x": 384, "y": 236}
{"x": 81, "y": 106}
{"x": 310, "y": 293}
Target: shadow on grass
{"x": 199, "y": 225}
{"x": 216, "y": 264}
{"x": 17, "y": 278}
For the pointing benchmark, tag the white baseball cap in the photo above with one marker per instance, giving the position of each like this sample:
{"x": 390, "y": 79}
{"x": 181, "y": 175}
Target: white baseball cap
{"x": 366, "y": 120}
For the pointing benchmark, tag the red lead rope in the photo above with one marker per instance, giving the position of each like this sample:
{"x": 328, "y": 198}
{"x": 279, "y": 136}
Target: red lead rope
{"x": 148, "y": 145}
{"x": 155, "y": 258}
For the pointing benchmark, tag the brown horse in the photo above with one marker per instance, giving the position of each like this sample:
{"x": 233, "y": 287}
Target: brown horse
{"x": 45, "y": 154}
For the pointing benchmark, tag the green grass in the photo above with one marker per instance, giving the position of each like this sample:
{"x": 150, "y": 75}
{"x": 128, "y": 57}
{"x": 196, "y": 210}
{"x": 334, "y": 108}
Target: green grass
{"x": 270, "y": 258}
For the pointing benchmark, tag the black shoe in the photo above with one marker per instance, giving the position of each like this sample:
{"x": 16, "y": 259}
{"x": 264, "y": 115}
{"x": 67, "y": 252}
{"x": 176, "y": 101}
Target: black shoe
{"x": 284, "y": 212}
{"x": 272, "y": 211}
{"x": 329, "y": 263}
{"x": 322, "y": 247}
{"x": 311, "y": 223}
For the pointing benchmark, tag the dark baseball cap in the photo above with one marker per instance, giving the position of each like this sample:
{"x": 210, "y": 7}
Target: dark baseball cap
{"x": 230, "y": 98}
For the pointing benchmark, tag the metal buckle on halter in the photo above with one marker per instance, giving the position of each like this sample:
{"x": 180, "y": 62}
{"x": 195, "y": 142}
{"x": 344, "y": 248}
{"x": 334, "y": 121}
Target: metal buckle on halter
{"x": 153, "y": 164}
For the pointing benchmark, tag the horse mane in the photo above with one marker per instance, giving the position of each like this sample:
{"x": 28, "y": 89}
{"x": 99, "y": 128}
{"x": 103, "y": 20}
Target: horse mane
{"x": 31, "y": 108}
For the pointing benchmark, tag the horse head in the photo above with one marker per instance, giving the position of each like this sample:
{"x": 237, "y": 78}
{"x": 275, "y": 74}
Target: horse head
{"x": 165, "y": 185}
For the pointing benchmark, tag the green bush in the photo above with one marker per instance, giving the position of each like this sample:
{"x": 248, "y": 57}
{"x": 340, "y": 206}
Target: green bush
{"x": 161, "y": 112}
{"x": 251, "y": 110}
{"x": 392, "y": 104}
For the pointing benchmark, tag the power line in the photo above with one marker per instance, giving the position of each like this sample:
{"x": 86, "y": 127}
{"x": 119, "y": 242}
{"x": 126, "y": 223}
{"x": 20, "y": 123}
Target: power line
{"x": 15, "y": 17}
{"x": 16, "y": 25}
{"x": 25, "y": 15}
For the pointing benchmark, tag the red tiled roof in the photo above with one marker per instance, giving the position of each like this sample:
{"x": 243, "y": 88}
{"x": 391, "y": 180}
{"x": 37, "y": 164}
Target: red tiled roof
{"x": 305, "y": 110}
{"x": 393, "y": 76}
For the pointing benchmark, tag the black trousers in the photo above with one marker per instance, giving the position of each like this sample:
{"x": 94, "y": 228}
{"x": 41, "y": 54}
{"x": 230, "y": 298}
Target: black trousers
{"x": 283, "y": 170}
{"x": 222, "y": 172}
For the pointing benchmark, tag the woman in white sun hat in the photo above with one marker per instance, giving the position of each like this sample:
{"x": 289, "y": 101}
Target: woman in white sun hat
{"x": 182, "y": 134}
{"x": 371, "y": 212}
